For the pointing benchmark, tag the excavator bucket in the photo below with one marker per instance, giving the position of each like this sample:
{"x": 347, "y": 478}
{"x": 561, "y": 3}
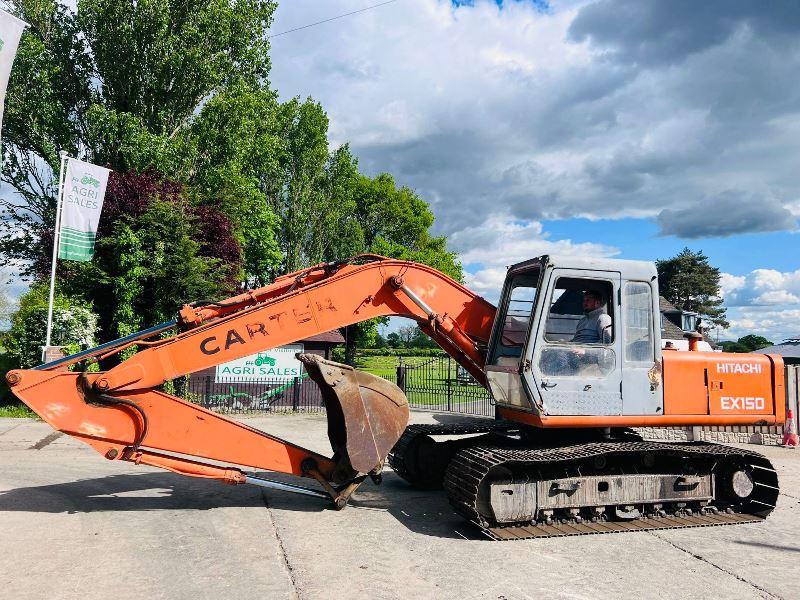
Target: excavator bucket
{"x": 366, "y": 414}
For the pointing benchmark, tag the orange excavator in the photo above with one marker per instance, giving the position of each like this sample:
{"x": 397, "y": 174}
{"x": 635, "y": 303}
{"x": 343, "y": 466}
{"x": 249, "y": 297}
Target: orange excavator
{"x": 561, "y": 457}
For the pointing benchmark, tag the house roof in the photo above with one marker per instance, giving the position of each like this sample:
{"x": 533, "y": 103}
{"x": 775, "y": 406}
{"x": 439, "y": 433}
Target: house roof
{"x": 665, "y": 305}
{"x": 789, "y": 348}
{"x": 670, "y": 331}
{"x": 330, "y": 337}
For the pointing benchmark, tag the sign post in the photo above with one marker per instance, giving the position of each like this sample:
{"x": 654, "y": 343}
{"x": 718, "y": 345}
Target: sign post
{"x": 56, "y": 228}
{"x": 81, "y": 191}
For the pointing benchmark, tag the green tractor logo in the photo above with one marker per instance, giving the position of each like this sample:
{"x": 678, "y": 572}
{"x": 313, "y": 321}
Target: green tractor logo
{"x": 89, "y": 180}
{"x": 263, "y": 359}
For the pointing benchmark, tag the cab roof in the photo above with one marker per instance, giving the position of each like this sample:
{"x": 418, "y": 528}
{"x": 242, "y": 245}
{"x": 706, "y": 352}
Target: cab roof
{"x": 629, "y": 269}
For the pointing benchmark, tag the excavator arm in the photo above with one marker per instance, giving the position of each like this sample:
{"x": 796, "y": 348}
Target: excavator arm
{"x": 122, "y": 415}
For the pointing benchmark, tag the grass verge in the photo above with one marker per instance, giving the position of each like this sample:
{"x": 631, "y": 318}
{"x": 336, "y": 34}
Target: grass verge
{"x": 386, "y": 366}
{"x": 17, "y": 411}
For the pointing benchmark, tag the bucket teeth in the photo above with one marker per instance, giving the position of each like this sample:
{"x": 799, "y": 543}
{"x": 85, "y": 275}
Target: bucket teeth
{"x": 366, "y": 414}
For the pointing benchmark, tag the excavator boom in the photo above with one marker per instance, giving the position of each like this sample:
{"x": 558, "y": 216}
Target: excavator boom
{"x": 122, "y": 414}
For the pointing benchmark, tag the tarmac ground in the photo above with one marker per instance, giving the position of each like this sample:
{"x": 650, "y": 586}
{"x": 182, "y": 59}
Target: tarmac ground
{"x": 74, "y": 525}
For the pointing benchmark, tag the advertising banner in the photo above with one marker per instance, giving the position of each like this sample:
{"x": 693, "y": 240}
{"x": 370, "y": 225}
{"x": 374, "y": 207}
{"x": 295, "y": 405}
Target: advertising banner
{"x": 276, "y": 363}
{"x": 84, "y": 191}
{"x": 11, "y": 29}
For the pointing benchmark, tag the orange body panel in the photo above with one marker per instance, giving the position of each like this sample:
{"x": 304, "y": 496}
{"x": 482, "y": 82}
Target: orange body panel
{"x": 700, "y": 388}
{"x": 722, "y": 385}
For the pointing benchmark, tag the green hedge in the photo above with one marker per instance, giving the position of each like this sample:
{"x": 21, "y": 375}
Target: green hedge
{"x": 338, "y": 353}
{"x": 6, "y": 364}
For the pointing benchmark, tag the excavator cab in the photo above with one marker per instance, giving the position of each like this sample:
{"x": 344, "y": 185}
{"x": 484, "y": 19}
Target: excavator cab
{"x": 538, "y": 362}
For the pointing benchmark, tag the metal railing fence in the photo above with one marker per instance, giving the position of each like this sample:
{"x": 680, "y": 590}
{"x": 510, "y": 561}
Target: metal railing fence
{"x": 437, "y": 384}
{"x": 245, "y": 396}
{"x": 441, "y": 384}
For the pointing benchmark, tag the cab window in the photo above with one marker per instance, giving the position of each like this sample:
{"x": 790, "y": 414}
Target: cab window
{"x": 516, "y": 319}
{"x": 638, "y": 302}
{"x": 580, "y": 329}
{"x": 569, "y": 307}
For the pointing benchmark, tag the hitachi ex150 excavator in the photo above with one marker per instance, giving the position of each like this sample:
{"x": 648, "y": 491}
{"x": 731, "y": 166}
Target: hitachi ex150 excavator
{"x": 561, "y": 457}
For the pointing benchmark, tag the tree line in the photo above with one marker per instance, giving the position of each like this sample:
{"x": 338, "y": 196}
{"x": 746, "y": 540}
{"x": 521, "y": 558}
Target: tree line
{"x": 216, "y": 183}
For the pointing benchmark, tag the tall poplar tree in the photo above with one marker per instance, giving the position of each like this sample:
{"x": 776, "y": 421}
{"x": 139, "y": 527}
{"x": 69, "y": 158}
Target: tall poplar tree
{"x": 690, "y": 283}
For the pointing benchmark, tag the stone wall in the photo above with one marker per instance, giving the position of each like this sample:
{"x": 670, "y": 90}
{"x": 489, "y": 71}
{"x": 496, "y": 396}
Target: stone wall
{"x": 769, "y": 436}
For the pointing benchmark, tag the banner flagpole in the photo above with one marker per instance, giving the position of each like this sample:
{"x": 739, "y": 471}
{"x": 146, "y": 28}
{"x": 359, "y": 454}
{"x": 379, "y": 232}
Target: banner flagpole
{"x": 56, "y": 236}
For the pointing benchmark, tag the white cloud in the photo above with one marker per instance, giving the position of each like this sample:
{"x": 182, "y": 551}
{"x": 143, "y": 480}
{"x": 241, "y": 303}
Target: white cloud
{"x": 487, "y": 282}
{"x": 764, "y": 302}
{"x": 762, "y": 287}
{"x": 730, "y": 283}
{"x": 774, "y": 324}
{"x": 586, "y": 109}
{"x": 488, "y": 248}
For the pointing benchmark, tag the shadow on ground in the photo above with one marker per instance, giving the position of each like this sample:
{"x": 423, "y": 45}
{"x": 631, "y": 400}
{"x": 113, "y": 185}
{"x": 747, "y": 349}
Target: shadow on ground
{"x": 149, "y": 491}
{"x": 425, "y": 512}
{"x": 778, "y": 547}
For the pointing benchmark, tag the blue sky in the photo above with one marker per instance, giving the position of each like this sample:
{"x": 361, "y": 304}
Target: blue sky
{"x": 539, "y": 4}
{"x": 627, "y": 128}
{"x": 639, "y": 239}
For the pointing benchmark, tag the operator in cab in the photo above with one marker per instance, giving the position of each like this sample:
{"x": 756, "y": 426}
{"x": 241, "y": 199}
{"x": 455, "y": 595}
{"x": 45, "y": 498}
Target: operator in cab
{"x": 595, "y": 326}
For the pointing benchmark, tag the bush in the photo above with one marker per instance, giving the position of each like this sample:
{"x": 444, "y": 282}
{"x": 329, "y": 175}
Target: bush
{"x": 74, "y": 327}
{"x": 7, "y": 363}
{"x": 338, "y": 353}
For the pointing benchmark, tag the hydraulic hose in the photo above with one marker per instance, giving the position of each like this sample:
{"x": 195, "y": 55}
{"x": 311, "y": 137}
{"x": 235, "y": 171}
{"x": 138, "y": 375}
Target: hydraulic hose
{"x": 91, "y": 397}
{"x": 112, "y": 401}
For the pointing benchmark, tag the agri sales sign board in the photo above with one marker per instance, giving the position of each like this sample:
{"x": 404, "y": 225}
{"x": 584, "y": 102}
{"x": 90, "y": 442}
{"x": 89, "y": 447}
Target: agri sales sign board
{"x": 276, "y": 363}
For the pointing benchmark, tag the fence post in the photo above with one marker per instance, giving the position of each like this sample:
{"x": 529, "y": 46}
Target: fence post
{"x": 204, "y": 402}
{"x": 296, "y": 394}
{"x": 401, "y": 376}
{"x": 449, "y": 386}
{"x": 796, "y": 370}
{"x": 793, "y": 391}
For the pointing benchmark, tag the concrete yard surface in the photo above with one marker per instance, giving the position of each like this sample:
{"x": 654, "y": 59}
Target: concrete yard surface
{"x": 74, "y": 525}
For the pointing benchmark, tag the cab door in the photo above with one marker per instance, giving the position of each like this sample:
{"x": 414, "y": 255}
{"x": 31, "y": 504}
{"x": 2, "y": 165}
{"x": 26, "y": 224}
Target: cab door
{"x": 642, "y": 391}
{"x": 577, "y": 378}
{"x": 510, "y": 335}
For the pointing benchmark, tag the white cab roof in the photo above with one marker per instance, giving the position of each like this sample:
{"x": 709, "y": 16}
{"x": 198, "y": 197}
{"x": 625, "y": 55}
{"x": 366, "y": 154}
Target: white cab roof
{"x": 630, "y": 269}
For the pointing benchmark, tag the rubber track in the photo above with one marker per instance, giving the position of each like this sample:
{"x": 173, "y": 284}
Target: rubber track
{"x": 469, "y": 467}
{"x": 518, "y": 532}
{"x": 397, "y": 454}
